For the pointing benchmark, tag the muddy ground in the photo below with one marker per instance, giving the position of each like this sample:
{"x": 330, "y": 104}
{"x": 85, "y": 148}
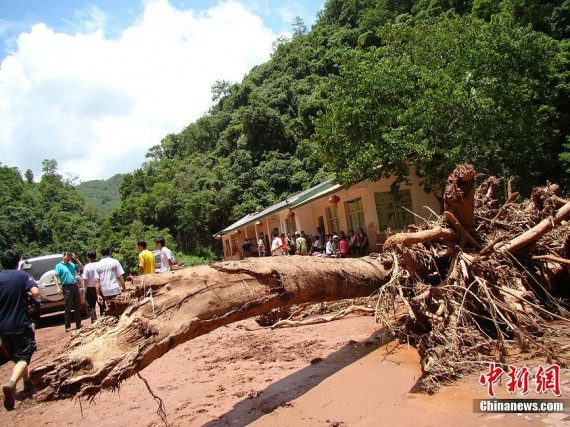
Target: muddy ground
{"x": 340, "y": 373}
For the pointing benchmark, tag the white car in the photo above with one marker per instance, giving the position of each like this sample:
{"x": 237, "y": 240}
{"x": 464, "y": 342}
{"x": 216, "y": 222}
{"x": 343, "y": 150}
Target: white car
{"x": 42, "y": 269}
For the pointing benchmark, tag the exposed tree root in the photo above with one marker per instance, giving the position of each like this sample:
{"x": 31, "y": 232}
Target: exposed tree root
{"x": 464, "y": 305}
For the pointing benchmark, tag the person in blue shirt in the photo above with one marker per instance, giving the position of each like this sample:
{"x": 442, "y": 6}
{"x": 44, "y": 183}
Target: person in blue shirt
{"x": 66, "y": 282}
{"x": 17, "y": 338}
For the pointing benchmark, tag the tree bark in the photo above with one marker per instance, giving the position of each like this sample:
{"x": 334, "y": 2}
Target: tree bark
{"x": 408, "y": 239}
{"x": 459, "y": 196}
{"x": 536, "y": 232}
{"x": 176, "y": 307}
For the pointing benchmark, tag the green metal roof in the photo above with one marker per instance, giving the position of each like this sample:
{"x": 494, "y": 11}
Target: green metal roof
{"x": 318, "y": 191}
{"x": 292, "y": 202}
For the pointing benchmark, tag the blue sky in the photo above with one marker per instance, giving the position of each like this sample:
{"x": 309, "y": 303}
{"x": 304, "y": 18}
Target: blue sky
{"x": 94, "y": 84}
{"x": 68, "y": 16}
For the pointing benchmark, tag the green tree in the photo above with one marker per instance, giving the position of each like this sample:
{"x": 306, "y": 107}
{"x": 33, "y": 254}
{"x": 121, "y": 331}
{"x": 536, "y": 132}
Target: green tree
{"x": 49, "y": 167}
{"x": 485, "y": 9}
{"x": 29, "y": 176}
{"x": 220, "y": 88}
{"x": 299, "y": 27}
{"x": 439, "y": 94}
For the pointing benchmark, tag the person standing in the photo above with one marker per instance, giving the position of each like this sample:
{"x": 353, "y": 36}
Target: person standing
{"x": 300, "y": 244}
{"x": 66, "y": 283}
{"x": 89, "y": 273}
{"x": 362, "y": 240}
{"x": 352, "y": 243}
{"x": 321, "y": 236}
{"x": 308, "y": 240}
{"x": 246, "y": 248}
{"x": 146, "y": 259}
{"x": 16, "y": 330}
{"x": 260, "y": 246}
{"x": 343, "y": 247}
{"x": 109, "y": 281}
{"x": 290, "y": 244}
{"x": 284, "y": 247}
{"x": 276, "y": 245}
{"x": 166, "y": 256}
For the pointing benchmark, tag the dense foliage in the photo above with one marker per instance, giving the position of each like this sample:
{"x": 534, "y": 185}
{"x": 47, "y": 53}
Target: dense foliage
{"x": 102, "y": 194}
{"x": 374, "y": 83}
{"x": 44, "y": 217}
{"x": 444, "y": 92}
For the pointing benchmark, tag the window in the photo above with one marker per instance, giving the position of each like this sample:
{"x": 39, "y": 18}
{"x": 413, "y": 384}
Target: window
{"x": 389, "y": 208}
{"x": 356, "y": 214}
{"x": 332, "y": 215}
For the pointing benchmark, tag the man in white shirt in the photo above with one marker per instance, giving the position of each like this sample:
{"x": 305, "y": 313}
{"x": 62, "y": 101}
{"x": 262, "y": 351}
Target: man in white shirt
{"x": 276, "y": 245}
{"x": 108, "y": 277}
{"x": 89, "y": 272}
{"x": 329, "y": 245}
{"x": 166, "y": 256}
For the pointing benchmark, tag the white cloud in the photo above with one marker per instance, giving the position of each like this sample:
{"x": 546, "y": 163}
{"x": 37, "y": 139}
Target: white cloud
{"x": 87, "y": 20}
{"x": 96, "y": 105}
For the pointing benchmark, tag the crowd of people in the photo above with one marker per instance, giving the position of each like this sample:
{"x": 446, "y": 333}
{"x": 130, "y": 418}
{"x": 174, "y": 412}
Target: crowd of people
{"x": 330, "y": 245}
{"x": 101, "y": 281}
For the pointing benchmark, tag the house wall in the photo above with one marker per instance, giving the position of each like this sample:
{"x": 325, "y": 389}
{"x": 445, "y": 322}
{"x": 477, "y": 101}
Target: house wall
{"x": 303, "y": 218}
{"x": 229, "y": 253}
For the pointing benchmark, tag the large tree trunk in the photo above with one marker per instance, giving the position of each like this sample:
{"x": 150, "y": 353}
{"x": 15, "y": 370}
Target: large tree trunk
{"x": 192, "y": 302}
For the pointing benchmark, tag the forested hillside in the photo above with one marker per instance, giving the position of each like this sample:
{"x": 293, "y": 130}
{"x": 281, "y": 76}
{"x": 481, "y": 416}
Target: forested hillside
{"x": 49, "y": 216}
{"x": 102, "y": 194}
{"x": 374, "y": 82}
{"x": 38, "y": 218}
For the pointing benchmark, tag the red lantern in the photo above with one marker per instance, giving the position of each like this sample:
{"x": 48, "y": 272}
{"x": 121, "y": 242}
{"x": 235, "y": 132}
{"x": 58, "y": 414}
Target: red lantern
{"x": 290, "y": 215}
{"x": 334, "y": 199}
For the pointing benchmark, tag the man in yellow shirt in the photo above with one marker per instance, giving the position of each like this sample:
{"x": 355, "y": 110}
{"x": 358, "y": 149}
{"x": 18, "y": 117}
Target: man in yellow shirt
{"x": 146, "y": 258}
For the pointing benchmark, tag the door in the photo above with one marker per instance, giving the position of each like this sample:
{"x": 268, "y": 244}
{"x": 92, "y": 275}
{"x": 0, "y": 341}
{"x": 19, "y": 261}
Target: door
{"x": 321, "y": 223}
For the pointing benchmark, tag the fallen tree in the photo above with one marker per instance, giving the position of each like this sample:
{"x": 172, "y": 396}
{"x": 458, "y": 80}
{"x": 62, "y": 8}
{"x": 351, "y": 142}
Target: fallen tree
{"x": 169, "y": 309}
{"x": 476, "y": 285}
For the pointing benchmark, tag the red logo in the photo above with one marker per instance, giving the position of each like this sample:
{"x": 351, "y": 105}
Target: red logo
{"x": 547, "y": 379}
{"x": 518, "y": 379}
{"x": 491, "y": 378}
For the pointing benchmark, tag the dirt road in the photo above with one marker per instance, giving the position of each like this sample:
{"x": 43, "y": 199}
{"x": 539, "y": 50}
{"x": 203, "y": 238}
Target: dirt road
{"x": 333, "y": 374}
